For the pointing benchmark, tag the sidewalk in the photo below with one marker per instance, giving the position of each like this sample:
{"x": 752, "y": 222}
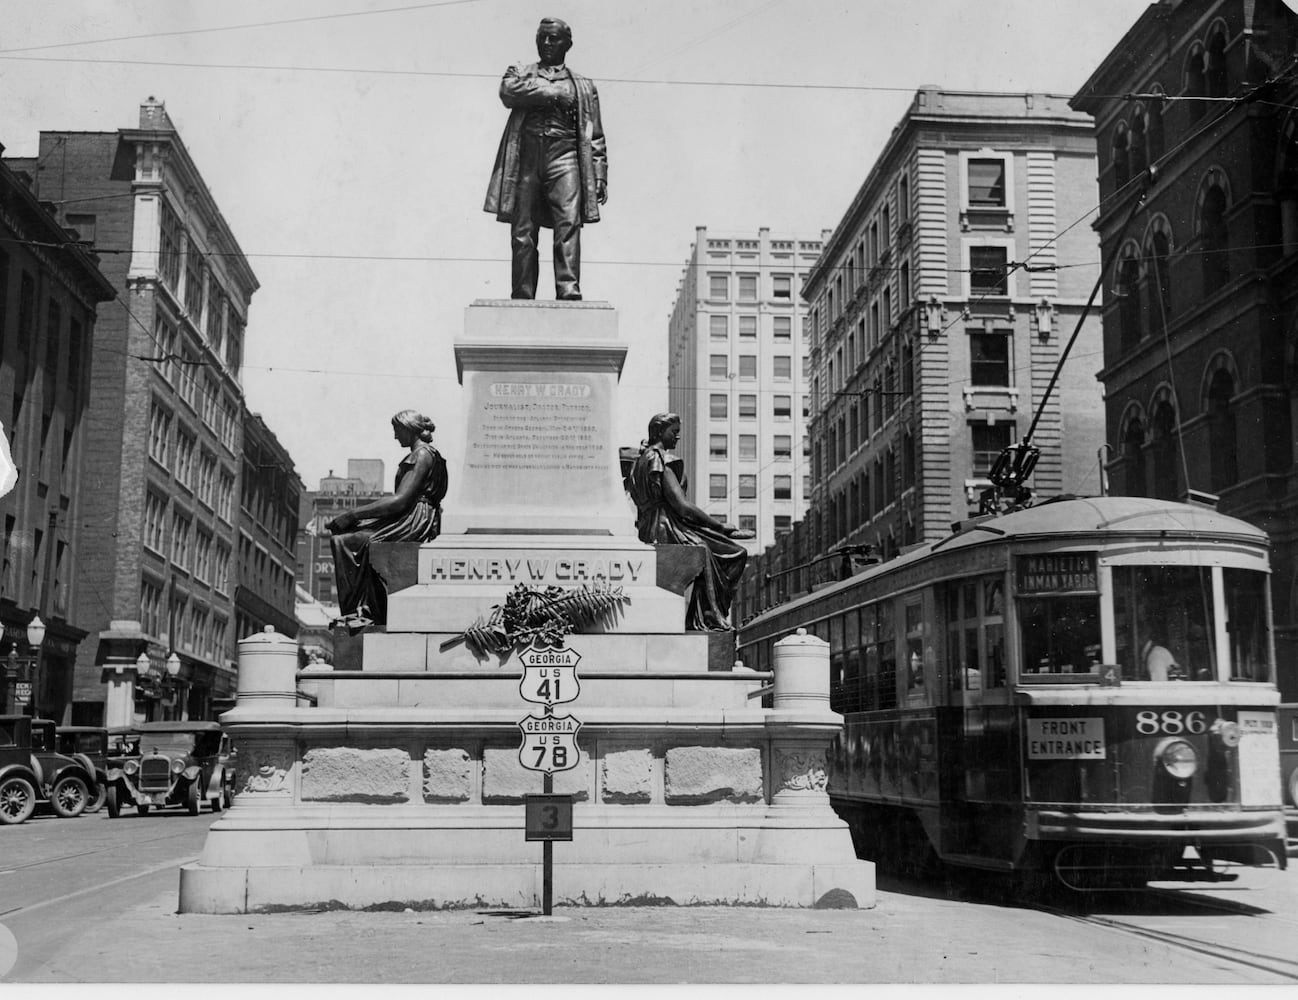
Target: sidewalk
{"x": 905, "y": 939}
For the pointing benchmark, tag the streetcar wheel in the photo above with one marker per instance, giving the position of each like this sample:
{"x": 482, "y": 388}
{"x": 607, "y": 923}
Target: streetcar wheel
{"x": 70, "y": 797}
{"x": 110, "y": 800}
{"x": 142, "y": 808}
{"x": 17, "y": 800}
{"x": 193, "y": 800}
{"x": 98, "y": 799}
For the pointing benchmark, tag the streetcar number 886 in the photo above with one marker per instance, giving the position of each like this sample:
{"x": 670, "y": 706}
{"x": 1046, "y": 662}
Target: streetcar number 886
{"x": 1170, "y": 722}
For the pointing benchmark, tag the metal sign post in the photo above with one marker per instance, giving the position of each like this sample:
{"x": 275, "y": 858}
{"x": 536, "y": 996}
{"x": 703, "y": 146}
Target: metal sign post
{"x": 549, "y": 745}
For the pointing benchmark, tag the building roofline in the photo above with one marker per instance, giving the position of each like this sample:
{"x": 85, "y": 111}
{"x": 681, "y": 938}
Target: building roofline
{"x": 1153, "y": 17}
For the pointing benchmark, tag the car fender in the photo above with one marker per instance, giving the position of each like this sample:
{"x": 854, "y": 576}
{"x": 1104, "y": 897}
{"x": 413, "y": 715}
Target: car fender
{"x": 38, "y": 771}
{"x": 20, "y": 771}
{"x": 217, "y": 782}
{"x": 192, "y": 773}
{"x": 75, "y": 770}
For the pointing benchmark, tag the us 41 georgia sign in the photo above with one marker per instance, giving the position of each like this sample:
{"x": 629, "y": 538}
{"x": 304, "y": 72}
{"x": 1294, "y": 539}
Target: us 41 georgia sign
{"x": 549, "y": 675}
{"x": 549, "y": 743}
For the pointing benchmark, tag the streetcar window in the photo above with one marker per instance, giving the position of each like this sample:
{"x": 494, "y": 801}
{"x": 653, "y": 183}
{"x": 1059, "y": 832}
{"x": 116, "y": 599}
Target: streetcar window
{"x": 914, "y": 610}
{"x": 887, "y": 646}
{"x": 976, "y": 633}
{"x": 1060, "y": 635}
{"x": 835, "y": 651}
{"x": 1246, "y": 625}
{"x": 870, "y": 657}
{"x": 852, "y": 687}
{"x": 1164, "y": 622}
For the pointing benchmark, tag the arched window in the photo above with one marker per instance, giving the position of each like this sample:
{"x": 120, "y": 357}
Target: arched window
{"x": 1214, "y": 242}
{"x": 1163, "y": 448}
{"x": 1215, "y": 77}
{"x": 907, "y": 369}
{"x": 1155, "y": 137}
{"x": 1133, "y": 458}
{"x": 1158, "y": 287}
{"x": 1222, "y": 446}
{"x": 1196, "y": 82}
{"x": 907, "y": 461}
{"x": 1121, "y": 156}
{"x": 1127, "y": 292}
{"x": 1139, "y": 155}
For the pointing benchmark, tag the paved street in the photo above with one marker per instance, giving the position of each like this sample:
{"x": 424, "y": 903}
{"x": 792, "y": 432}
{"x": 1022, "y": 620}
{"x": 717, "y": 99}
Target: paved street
{"x": 94, "y": 900}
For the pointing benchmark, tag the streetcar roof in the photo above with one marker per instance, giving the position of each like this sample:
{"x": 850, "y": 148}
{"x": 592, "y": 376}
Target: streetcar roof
{"x": 1113, "y": 516}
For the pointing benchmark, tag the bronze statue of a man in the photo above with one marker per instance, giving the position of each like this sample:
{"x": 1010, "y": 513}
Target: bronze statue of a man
{"x": 551, "y": 169}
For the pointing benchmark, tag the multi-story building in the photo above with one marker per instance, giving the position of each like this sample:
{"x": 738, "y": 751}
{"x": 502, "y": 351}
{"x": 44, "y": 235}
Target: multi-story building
{"x": 163, "y": 429}
{"x": 939, "y": 311}
{"x": 315, "y": 565}
{"x": 737, "y": 375}
{"x": 49, "y": 286}
{"x": 1198, "y": 223}
{"x": 270, "y": 499}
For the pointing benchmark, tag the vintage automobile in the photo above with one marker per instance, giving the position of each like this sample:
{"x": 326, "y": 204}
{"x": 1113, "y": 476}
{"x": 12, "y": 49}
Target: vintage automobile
{"x": 18, "y": 782}
{"x": 178, "y": 763}
{"x": 88, "y": 744}
{"x": 33, "y": 771}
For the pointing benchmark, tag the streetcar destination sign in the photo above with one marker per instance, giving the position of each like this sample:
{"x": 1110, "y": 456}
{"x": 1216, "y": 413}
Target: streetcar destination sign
{"x": 1057, "y": 573}
{"x": 549, "y": 743}
{"x": 549, "y": 675}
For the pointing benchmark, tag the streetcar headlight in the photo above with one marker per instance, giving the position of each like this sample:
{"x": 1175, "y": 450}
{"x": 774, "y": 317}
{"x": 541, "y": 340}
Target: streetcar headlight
{"x": 1227, "y": 733}
{"x": 130, "y": 767}
{"x": 1178, "y": 759}
{"x": 177, "y": 766}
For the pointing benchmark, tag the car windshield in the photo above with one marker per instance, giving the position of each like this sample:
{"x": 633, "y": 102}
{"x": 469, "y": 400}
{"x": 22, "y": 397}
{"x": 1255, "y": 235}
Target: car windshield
{"x": 201, "y": 744}
{"x": 84, "y": 742}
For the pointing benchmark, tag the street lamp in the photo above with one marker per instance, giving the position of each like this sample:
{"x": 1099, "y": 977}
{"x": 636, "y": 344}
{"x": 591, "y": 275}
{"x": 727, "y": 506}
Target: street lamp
{"x": 36, "y": 639}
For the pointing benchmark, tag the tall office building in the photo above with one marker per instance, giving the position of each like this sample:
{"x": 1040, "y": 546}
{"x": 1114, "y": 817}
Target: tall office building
{"x": 158, "y": 526}
{"x": 939, "y": 311}
{"x": 737, "y": 375}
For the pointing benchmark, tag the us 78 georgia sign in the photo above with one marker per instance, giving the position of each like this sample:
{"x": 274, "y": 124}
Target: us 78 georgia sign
{"x": 549, "y": 743}
{"x": 549, "y": 675}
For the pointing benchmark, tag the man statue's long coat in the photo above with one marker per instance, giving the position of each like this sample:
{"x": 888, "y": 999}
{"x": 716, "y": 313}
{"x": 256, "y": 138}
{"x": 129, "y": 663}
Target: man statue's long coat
{"x": 520, "y": 81}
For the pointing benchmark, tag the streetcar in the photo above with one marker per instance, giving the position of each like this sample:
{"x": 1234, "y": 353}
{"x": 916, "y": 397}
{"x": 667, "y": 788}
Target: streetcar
{"x": 1084, "y": 688}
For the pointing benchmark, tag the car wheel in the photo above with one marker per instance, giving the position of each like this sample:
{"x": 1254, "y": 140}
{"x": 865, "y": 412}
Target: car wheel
{"x": 110, "y": 800}
{"x": 193, "y": 798}
{"x": 17, "y": 799}
{"x": 98, "y": 799}
{"x": 142, "y": 808}
{"x": 69, "y": 797}
{"x": 216, "y": 803}
{"x": 1293, "y": 786}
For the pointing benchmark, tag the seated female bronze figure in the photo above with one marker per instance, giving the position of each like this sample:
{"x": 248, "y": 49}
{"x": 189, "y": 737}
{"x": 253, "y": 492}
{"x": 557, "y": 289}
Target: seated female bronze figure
{"x": 412, "y": 514}
{"x": 657, "y": 484}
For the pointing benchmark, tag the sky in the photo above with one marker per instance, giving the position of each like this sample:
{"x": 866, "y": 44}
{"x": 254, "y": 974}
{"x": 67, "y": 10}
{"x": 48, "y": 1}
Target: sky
{"x": 348, "y": 143}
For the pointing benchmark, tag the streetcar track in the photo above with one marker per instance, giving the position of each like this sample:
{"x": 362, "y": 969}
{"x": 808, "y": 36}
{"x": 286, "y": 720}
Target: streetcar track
{"x": 1273, "y": 964}
{"x": 82, "y": 854}
{"x": 174, "y": 863}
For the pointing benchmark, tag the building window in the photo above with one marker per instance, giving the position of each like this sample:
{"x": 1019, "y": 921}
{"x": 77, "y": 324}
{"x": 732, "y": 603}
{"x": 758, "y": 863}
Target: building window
{"x": 155, "y": 514}
{"x": 987, "y": 183}
{"x": 748, "y": 486}
{"x": 159, "y": 433}
{"x": 782, "y": 328}
{"x": 782, "y": 407}
{"x": 150, "y": 607}
{"x": 1133, "y": 456}
{"x": 169, "y": 244}
{"x": 184, "y": 470}
{"x": 987, "y": 271}
{"x": 1215, "y": 76}
{"x": 748, "y": 447}
{"x": 748, "y": 288}
{"x": 717, "y": 406}
{"x": 748, "y": 366}
{"x": 1127, "y": 293}
{"x": 1223, "y": 446}
{"x": 1158, "y": 287}
{"x": 180, "y": 528}
{"x": 719, "y": 327}
{"x": 989, "y": 359}
{"x": 718, "y": 366}
{"x": 718, "y": 445}
{"x": 783, "y": 445}
{"x": 747, "y": 406}
{"x": 748, "y": 522}
{"x": 783, "y": 488}
{"x": 782, "y": 286}
{"x": 782, "y": 366}
{"x": 717, "y": 487}
{"x": 988, "y": 441}
{"x": 783, "y": 524}
{"x": 719, "y": 286}
{"x": 1213, "y": 234}
{"x": 748, "y": 327}
{"x": 1121, "y": 156}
